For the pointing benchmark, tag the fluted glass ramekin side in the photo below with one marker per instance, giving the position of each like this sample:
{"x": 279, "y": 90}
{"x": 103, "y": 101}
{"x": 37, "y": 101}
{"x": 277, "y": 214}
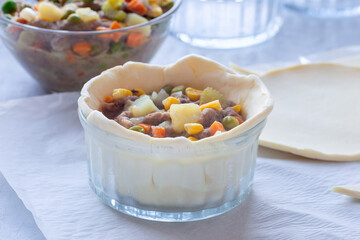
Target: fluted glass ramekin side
{"x": 170, "y": 184}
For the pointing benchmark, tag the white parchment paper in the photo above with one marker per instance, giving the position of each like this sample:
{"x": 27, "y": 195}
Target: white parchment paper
{"x": 42, "y": 156}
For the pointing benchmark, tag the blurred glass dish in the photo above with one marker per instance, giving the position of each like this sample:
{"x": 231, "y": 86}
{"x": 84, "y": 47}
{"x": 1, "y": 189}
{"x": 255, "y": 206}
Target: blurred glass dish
{"x": 226, "y": 24}
{"x": 49, "y": 56}
{"x": 173, "y": 179}
{"x": 325, "y": 8}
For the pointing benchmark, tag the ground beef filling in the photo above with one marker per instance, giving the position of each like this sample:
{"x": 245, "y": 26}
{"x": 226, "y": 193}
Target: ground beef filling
{"x": 119, "y": 111}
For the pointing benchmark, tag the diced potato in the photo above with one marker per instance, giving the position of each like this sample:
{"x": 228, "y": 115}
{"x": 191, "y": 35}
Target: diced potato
{"x": 69, "y": 6}
{"x": 184, "y": 113}
{"x": 87, "y": 15}
{"x": 27, "y": 38}
{"x": 135, "y": 19}
{"x": 49, "y": 12}
{"x": 28, "y": 14}
{"x": 158, "y": 98}
{"x": 143, "y": 106}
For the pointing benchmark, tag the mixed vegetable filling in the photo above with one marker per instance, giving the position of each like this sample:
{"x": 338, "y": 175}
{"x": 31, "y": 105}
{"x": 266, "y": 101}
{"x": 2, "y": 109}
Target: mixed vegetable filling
{"x": 173, "y": 111}
{"x": 64, "y": 62}
{"x": 86, "y": 15}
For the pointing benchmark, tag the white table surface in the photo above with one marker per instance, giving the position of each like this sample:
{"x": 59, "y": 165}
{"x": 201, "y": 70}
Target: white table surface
{"x": 299, "y": 36}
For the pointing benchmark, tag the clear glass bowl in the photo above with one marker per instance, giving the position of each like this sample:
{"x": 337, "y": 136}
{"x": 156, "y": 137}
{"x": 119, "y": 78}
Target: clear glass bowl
{"x": 325, "y": 8}
{"x": 168, "y": 183}
{"x": 47, "y": 54}
{"x": 225, "y": 24}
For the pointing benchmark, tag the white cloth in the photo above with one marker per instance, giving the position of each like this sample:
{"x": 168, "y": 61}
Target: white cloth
{"x": 42, "y": 156}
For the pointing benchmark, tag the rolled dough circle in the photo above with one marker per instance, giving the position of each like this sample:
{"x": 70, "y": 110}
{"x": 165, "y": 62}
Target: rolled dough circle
{"x": 316, "y": 112}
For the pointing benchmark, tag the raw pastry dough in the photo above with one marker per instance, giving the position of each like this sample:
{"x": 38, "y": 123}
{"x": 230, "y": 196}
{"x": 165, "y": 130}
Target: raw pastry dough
{"x": 191, "y": 70}
{"x": 316, "y": 112}
{"x": 350, "y": 190}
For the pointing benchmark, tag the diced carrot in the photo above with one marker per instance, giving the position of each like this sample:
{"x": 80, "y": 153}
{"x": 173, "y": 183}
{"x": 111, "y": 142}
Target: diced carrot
{"x": 105, "y": 35}
{"x": 116, "y": 37}
{"x": 115, "y": 25}
{"x": 158, "y": 132}
{"x": 109, "y": 99}
{"x": 216, "y": 126}
{"x": 22, "y": 20}
{"x": 147, "y": 127}
{"x": 239, "y": 120}
{"x": 70, "y": 57}
{"x": 82, "y": 48}
{"x": 137, "y": 7}
{"x": 13, "y": 31}
{"x": 35, "y": 7}
{"x": 135, "y": 39}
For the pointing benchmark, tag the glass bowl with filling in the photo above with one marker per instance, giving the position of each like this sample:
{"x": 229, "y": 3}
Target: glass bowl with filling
{"x": 64, "y": 43}
{"x": 173, "y": 143}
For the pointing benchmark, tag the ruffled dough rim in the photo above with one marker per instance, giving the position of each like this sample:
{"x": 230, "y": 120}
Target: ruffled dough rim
{"x": 192, "y": 70}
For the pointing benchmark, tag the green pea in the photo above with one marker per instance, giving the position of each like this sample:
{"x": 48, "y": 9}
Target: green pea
{"x": 178, "y": 89}
{"x": 125, "y": 55}
{"x": 116, "y": 47}
{"x": 67, "y": 14}
{"x": 137, "y": 129}
{"x": 229, "y": 122}
{"x": 74, "y": 18}
{"x": 9, "y": 7}
{"x": 88, "y": 1}
{"x": 168, "y": 88}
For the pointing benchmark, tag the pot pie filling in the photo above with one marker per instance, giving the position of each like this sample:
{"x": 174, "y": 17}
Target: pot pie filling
{"x": 173, "y": 112}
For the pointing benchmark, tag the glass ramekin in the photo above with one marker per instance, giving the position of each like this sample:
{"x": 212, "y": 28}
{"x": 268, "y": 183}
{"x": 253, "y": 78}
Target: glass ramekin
{"x": 226, "y": 24}
{"x": 325, "y": 8}
{"x": 48, "y": 57}
{"x": 168, "y": 183}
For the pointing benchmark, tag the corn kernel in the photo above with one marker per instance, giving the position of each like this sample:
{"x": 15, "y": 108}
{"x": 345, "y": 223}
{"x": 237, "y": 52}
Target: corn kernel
{"x": 193, "y": 94}
{"x": 121, "y": 92}
{"x": 214, "y": 104}
{"x": 193, "y": 128}
{"x": 138, "y": 92}
{"x": 155, "y": 11}
{"x": 193, "y": 139}
{"x": 155, "y": 1}
{"x": 237, "y": 108}
{"x": 170, "y": 101}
